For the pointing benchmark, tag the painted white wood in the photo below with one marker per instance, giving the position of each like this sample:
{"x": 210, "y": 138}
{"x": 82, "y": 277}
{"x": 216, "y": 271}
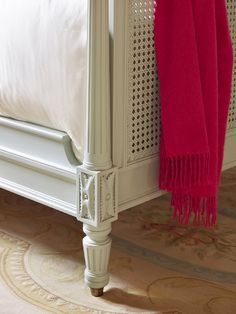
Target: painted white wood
{"x": 38, "y": 163}
{"x": 97, "y": 180}
{"x": 37, "y": 142}
{"x": 97, "y": 155}
{"x": 97, "y": 246}
{"x": 97, "y": 196}
{"x": 119, "y": 99}
{"x": 230, "y": 150}
{"x": 138, "y": 181}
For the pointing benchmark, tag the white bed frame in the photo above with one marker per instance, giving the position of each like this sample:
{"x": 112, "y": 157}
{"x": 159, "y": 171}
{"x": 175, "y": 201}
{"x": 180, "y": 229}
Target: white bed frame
{"x": 120, "y": 163}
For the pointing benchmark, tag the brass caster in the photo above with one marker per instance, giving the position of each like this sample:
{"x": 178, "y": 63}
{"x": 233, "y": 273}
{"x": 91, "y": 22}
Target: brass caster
{"x": 96, "y": 292}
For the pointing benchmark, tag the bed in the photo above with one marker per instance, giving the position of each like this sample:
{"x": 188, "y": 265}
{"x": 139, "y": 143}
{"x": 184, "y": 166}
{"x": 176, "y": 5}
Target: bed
{"x": 88, "y": 146}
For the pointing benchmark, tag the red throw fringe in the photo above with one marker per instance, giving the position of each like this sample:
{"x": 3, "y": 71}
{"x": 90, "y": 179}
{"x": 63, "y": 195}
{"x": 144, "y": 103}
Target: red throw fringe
{"x": 202, "y": 208}
{"x": 185, "y": 171}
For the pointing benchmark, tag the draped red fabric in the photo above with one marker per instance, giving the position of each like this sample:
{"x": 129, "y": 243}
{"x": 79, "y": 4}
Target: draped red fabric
{"x": 194, "y": 62}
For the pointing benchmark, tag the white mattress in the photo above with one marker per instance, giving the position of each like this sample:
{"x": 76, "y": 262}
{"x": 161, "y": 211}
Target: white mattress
{"x": 43, "y": 64}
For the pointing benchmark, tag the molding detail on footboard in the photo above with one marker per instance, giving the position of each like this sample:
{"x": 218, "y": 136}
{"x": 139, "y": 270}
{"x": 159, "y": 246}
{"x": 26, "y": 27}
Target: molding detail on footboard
{"x": 38, "y": 163}
{"x": 97, "y": 196}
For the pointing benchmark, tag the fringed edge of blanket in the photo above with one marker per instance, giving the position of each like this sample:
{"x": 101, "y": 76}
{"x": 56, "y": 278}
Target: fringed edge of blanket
{"x": 202, "y": 208}
{"x": 184, "y": 171}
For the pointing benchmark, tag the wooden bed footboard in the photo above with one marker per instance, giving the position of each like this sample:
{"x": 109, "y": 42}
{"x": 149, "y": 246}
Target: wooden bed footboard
{"x": 120, "y": 164}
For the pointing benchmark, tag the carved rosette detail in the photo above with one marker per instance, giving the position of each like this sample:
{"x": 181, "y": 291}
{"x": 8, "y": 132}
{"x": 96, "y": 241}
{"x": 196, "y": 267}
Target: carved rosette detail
{"x": 97, "y": 196}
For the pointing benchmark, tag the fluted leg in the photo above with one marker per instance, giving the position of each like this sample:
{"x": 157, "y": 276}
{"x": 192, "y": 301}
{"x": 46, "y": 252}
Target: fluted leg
{"x": 97, "y": 246}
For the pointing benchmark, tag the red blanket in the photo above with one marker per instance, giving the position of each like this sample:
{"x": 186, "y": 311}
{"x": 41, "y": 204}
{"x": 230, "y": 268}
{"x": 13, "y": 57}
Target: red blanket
{"x": 194, "y": 61}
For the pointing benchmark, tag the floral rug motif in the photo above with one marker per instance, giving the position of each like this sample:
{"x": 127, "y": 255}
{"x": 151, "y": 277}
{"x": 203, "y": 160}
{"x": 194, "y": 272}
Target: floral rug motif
{"x": 156, "y": 265}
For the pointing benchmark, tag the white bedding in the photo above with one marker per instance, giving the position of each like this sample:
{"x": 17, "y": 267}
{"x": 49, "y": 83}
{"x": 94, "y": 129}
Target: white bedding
{"x": 43, "y": 64}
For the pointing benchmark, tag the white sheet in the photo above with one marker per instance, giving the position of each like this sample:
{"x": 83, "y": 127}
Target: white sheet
{"x": 43, "y": 64}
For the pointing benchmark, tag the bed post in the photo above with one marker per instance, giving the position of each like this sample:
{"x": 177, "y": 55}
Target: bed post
{"x": 97, "y": 179}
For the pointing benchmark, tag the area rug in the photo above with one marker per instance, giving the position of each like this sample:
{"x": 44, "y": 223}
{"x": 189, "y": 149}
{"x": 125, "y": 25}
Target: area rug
{"x": 156, "y": 265}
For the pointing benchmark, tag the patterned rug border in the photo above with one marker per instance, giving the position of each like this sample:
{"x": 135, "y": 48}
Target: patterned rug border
{"x": 175, "y": 264}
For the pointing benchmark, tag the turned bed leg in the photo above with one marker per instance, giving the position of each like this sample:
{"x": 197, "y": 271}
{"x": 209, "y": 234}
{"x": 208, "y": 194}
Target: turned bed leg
{"x": 97, "y": 188}
{"x": 97, "y": 246}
